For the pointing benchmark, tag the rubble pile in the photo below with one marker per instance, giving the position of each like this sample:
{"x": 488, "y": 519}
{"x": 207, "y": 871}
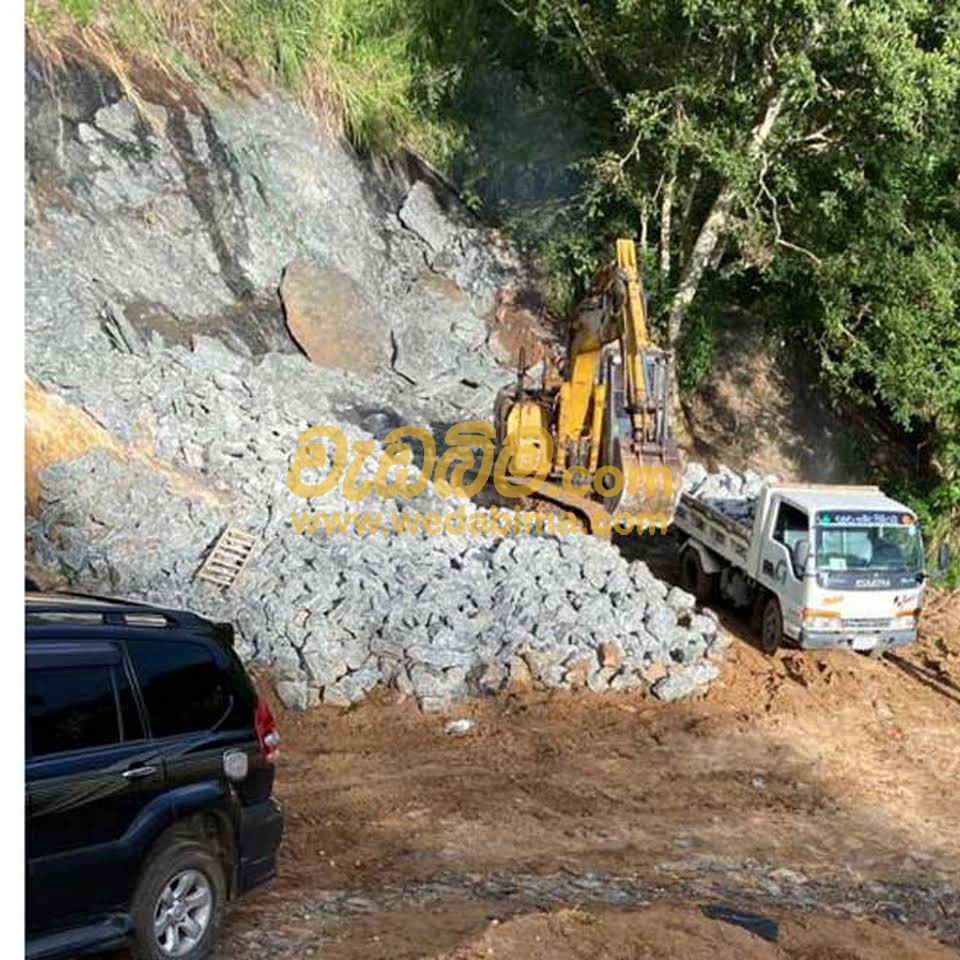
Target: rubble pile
{"x": 152, "y": 305}
{"x": 332, "y": 615}
{"x": 436, "y": 617}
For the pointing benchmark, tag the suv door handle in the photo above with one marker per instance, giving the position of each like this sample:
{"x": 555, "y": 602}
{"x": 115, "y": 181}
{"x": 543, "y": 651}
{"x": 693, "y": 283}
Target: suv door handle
{"x": 140, "y": 770}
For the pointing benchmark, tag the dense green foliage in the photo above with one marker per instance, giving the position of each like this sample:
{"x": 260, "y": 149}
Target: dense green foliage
{"x": 798, "y": 160}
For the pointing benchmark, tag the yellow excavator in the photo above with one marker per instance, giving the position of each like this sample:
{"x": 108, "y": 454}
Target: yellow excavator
{"x": 609, "y": 417}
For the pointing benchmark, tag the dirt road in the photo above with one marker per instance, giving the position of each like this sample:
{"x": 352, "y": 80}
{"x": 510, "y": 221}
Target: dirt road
{"x": 817, "y": 791}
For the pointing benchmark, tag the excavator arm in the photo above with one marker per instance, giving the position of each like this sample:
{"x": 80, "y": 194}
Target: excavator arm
{"x": 612, "y": 408}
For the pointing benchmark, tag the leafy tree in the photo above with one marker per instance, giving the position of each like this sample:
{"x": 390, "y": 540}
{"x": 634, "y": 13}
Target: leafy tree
{"x": 812, "y": 146}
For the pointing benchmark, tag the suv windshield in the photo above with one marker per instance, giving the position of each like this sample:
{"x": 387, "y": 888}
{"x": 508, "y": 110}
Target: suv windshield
{"x": 892, "y": 547}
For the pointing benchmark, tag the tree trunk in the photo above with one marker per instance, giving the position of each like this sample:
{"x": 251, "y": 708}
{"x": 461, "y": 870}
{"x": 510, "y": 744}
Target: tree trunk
{"x": 715, "y": 226}
{"x": 693, "y": 181}
{"x": 644, "y": 226}
{"x": 666, "y": 215}
{"x": 588, "y": 57}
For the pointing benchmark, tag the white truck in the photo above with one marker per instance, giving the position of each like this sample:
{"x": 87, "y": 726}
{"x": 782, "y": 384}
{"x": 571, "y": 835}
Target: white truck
{"x": 820, "y": 565}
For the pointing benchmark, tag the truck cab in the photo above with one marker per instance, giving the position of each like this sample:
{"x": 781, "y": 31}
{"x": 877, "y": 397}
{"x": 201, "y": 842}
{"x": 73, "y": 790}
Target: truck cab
{"x": 843, "y": 567}
{"x": 823, "y": 566}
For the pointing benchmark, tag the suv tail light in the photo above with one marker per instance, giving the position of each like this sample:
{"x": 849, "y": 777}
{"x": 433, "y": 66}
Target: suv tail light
{"x": 267, "y": 732}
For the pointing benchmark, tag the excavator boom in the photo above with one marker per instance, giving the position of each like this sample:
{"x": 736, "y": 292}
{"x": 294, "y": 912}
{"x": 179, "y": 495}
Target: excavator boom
{"x": 612, "y": 408}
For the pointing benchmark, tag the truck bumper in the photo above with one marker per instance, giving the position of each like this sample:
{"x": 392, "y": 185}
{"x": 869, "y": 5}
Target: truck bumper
{"x": 260, "y": 830}
{"x": 838, "y": 639}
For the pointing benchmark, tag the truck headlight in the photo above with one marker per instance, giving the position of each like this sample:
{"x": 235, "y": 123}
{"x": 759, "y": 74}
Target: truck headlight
{"x": 821, "y": 623}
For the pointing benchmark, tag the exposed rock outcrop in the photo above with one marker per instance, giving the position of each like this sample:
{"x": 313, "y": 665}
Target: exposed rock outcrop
{"x": 154, "y": 253}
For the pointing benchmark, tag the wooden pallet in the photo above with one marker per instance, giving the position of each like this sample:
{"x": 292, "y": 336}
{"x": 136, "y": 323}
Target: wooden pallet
{"x": 230, "y": 554}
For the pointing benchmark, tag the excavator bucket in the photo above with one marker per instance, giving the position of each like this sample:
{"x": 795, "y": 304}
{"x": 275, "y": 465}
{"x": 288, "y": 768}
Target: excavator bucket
{"x": 652, "y": 489}
{"x": 641, "y": 443}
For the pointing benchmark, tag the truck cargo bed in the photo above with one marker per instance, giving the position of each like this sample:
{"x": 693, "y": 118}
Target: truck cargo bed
{"x": 722, "y": 533}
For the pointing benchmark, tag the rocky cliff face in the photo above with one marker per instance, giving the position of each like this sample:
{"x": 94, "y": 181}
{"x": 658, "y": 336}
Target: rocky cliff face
{"x": 149, "y": 226}
{"x": 166, "y": 395}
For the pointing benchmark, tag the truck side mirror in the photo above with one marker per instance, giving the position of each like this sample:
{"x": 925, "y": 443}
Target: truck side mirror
{"x": 943, "y": 557}
{"x": 800, "y": 555}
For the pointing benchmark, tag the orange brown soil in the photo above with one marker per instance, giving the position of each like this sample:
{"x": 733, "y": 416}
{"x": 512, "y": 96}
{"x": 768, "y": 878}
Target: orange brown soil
{"x": 818, "y": 789}
{"x": 677, "y": 932}
{"x": 56, "y": 431}
{"x": 764, "y": 410}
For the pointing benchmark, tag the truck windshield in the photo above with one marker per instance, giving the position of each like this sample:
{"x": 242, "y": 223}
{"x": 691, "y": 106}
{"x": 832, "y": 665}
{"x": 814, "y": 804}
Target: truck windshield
{"x": 873, "y": 548}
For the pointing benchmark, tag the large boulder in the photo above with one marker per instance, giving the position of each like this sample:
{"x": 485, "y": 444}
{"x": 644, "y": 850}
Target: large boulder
{"x": 331, "y": 319}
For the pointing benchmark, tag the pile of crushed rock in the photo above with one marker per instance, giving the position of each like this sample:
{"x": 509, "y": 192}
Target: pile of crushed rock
{"x": 332, "y": 616}
{"x": 154, "y": 254}
{"x": 734, "y": 494}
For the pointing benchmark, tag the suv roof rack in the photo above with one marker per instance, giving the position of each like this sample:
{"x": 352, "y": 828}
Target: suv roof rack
{"x": 68, "y": 608}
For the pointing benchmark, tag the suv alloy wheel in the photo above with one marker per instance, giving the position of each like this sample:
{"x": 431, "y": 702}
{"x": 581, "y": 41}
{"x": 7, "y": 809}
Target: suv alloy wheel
{"x": 179, "y": 902}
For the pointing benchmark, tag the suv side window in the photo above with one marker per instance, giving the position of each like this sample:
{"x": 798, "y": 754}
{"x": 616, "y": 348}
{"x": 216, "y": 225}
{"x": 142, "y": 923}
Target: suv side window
{"x": 75, "y": 708}
{"x": 182, "y": 685}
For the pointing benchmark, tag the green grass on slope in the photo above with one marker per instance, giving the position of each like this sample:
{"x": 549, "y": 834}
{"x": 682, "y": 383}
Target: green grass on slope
{"x": 354, "y": 60}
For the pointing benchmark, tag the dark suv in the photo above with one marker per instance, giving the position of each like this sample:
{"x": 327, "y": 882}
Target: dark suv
{"x": 149, "y": 771}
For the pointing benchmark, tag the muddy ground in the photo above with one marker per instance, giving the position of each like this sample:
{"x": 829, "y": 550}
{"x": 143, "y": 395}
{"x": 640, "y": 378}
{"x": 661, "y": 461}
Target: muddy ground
{"x": 814, "y": 790}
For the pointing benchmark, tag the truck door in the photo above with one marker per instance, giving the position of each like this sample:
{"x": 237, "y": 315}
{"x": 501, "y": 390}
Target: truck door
{"x": 788, "y": 525}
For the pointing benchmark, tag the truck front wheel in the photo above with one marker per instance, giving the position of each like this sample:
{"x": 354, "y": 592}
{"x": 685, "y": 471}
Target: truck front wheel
{"x": 771, "y": 627}
{"x": 695, "y": 579}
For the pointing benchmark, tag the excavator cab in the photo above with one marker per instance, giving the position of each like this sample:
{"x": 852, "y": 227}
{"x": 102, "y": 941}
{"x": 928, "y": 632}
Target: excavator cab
{"x": 610, "y": 417}
{"x": 525, "y": 414}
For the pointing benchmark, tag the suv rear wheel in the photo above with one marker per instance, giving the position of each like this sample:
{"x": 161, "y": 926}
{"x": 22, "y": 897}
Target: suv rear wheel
{"x": 179, "y": 902}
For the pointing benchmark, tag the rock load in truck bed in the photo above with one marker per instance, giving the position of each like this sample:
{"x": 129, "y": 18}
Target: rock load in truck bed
{"x": 733, "y": 494}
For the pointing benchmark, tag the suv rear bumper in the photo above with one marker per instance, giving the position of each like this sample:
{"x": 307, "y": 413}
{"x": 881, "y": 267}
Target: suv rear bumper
{"x": 259, "y": 832}
{"x": 839, "y": 639}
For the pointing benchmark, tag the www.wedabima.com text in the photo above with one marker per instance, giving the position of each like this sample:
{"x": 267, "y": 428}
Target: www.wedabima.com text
{"x": 492, "y": 522}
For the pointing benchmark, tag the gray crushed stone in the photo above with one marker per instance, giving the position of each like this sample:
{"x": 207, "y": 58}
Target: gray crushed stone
{"x": 151, "y": 304}
{"x": 732, "y": 493}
